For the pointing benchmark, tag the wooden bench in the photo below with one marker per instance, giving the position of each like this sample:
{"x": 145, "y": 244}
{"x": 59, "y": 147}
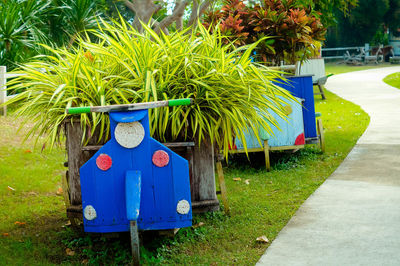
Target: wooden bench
{"x": 315, "y": 67}
{"x": 376, "y": 58}
{"x": 394, "y": 59}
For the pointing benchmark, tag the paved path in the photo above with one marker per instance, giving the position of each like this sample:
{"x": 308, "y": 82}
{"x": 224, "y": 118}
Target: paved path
{"x": 354, "y": 217}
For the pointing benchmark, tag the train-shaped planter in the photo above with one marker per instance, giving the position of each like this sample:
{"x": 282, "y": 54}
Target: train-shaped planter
{"x": 134, "y": 182}
{"x": 301, "y": 127}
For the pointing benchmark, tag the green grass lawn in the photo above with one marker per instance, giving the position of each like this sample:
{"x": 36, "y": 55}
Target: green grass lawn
{"x": 393, "y": 80}
{"x": 262, "y": 207}
{"x": 334, "y": 68}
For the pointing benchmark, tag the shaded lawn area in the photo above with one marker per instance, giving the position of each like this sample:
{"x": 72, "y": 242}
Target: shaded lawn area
{"x": 334, "y": 68}
{"x": 35, "y": 177}
{"x": 262, "y": 207}
{"x": 393, "y": 80}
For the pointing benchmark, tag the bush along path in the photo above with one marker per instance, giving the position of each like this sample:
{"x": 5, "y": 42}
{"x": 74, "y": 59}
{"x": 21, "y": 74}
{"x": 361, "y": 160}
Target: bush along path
{"x": 353, "y": 218}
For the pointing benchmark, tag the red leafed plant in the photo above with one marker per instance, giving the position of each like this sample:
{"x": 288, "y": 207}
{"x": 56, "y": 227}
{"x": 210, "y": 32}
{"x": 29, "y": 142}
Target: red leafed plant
{"x": 291, "y": 27}
{"x": 233, "y": 18}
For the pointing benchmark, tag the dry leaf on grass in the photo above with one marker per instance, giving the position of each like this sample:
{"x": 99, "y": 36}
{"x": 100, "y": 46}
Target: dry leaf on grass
{"x": 27, "y": 151}
{"x": 6, "y": 234}
{"x": 237, "y": 179}
{"x": 67, "y": 224}
{"x": 59, "y": 191}
{"x": 10, "y": 188}
{"x": 198, "y": 225}
{"x": 70, "y": 252}
{"x": 262, "y": 239}
{"x": 20, "y": 223}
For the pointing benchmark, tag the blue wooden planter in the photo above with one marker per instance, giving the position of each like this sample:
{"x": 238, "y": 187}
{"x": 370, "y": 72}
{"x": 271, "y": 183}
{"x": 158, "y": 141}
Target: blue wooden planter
{"x": 302, "y": 87}
{"x": 290, "y": 132}
{"x": 135, "y": 178}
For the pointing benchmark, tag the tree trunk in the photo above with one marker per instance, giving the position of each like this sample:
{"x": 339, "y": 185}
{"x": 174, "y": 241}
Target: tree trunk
{"x": 145, "y": 9}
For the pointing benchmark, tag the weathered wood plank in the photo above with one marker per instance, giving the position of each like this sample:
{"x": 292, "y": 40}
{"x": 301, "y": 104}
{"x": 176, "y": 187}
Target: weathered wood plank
{"x": 179, "y": 144}
{"x": 3, "y": 92}
{"x": 266, "y": 153}
{"x": 203, "y": 180}
{"x": 321, "y": 135}
{"x": 204, "y": 204}
{"x": 73, "y": 133}
{"x": 169, "y": 145}
{"x": 224, "y": 194}
{"x": 135, "y": 243}
{"x": 76, "y": 157}
{"x": 277, "y": 148}
{"x": 92, "y": 147}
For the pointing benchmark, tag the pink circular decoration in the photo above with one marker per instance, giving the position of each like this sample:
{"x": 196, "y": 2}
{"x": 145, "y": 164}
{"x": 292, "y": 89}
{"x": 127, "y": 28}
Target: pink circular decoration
{"x": 160, "y": 158}
{"x": 104, "y": 162}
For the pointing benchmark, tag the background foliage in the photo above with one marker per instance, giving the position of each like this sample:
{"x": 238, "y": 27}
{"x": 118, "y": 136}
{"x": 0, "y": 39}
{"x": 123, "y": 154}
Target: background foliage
{"x": 368, "y": 22}
{"x": 25, "y": 24}
{"x": 292, "y": 28}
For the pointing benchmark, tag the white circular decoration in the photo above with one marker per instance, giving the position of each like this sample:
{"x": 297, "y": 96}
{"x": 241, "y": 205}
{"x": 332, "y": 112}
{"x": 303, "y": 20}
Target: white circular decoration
{"x": 183, "y": 207}
{"x": 90, "y": 213}
{"x": 129, "y": 135}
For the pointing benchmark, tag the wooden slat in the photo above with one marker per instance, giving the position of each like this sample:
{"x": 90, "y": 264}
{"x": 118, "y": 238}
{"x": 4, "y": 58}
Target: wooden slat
{"x": 279, "y": 148}
{"x": 282, "y": 148}
{"x": 266, "y": 154}
{"x": 205, "y": 203}
{"x": 179, "y": 144}
{"x": 169, "y": 145}
{"x": 222, "y": 186}
{"x": 92, "y": 148}
{"x": 248, "y": 150}
{"x": 3, "y": 92}
{"x": 321, "y": 135}
{"x": 75, "y": 161}
{"x": 203, "y": 179}
{"x": 75, "y": 208}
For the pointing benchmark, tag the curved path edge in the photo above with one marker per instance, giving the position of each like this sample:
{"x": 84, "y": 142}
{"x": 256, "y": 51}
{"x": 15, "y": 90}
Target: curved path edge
{"x": 353, "y": 218}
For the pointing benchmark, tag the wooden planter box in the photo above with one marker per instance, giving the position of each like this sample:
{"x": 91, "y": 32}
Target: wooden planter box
{"x": 201, "y": 169}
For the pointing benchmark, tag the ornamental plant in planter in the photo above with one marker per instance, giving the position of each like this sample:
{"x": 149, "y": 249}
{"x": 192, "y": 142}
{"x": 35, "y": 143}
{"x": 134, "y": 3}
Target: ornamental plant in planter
{"x": 124, "y": 66}
{"x": 292, "y": 27}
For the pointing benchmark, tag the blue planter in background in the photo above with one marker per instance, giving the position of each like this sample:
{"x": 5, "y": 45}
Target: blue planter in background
{"x": 302, "y": 87}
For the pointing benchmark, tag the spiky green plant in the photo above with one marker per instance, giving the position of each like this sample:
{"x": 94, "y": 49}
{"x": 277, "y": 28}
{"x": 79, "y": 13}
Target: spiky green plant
{"x": 20, "y": 29}
{"x": 125, "y": 66}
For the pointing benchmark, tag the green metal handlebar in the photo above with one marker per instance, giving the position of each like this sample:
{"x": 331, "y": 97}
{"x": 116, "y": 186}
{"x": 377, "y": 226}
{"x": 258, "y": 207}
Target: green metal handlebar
{"x": 129, "y": 107}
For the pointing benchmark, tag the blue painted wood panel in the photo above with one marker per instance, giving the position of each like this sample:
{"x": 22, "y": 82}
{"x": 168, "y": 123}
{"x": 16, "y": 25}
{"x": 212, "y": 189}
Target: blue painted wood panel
{"x": 161, "y": 187}
{"x": 289, "y": 130}
{"x": 302, "y": 87}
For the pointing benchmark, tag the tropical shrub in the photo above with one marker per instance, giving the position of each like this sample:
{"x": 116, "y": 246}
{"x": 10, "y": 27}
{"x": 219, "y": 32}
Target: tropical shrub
{"x": 292, "y": 28}
{"x": 26, "y": 23}
{"x": 126, "y": 66}
{"x": 20, "y": 28}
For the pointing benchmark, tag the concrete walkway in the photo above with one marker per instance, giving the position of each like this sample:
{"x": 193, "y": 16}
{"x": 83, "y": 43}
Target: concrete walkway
{"x": 354, "y": 217}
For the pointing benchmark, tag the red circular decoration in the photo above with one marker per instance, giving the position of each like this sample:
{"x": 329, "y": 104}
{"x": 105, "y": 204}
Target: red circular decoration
{"x": 300, "y": 140}
{"x": 104, "y": 162}
{"x": 160, "y": 158}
